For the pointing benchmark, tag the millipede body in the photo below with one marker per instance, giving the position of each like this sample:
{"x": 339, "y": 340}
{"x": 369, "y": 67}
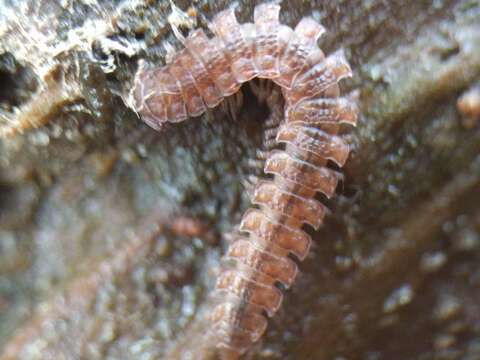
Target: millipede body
{"x": 199, "y": 77}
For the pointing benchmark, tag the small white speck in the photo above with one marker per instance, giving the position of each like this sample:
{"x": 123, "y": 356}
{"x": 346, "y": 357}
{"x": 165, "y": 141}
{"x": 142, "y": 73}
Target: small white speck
{"x": 432, "y": 262}
{"x": 400, "y": 297}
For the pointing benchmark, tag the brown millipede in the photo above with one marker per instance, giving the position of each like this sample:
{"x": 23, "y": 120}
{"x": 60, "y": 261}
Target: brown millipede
{"x": 199, "y": 77}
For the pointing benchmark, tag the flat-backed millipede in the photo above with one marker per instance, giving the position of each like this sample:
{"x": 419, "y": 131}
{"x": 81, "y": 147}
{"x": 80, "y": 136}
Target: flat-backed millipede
{"x": 199, "y": 77}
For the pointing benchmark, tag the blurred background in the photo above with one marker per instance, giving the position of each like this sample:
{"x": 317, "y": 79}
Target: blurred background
{"x": 111, "y": 232}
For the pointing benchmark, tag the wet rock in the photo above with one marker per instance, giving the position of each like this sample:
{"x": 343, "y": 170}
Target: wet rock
{"x": 394, "y": 273}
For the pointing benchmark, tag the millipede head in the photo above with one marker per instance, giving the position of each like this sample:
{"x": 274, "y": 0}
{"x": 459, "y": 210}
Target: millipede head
{"x": 157, "y": 96}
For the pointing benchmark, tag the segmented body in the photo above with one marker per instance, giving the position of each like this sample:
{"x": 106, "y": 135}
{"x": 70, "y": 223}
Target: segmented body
{"x": 199, "y": 77}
